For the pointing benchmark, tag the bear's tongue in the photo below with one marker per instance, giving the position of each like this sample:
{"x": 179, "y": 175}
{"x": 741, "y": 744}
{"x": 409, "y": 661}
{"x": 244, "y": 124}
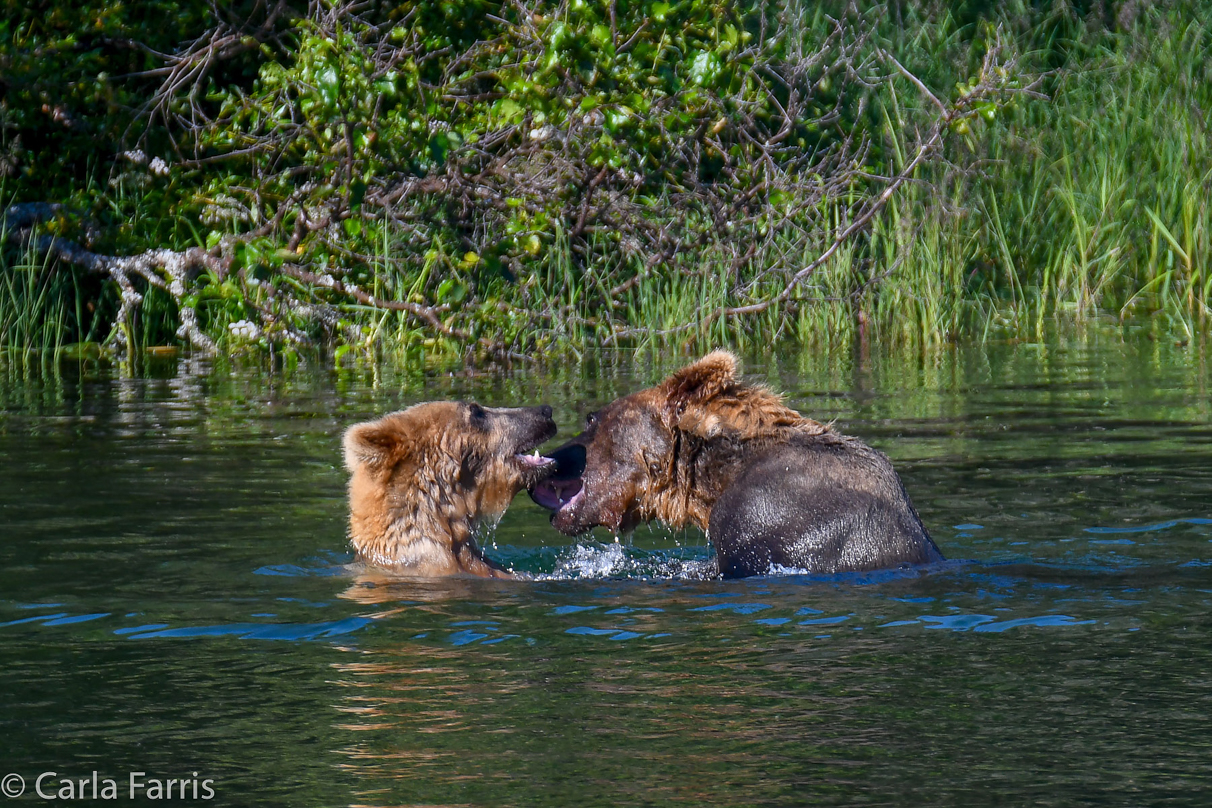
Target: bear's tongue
{"x": 554, "y": 494}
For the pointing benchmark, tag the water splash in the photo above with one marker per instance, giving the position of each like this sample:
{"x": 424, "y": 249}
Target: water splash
{"x": 592, "y": 562}
{"x": 599, "y": 561}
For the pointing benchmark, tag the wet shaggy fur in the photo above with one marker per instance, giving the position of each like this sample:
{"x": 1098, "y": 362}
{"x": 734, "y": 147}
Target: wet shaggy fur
{"x": 771, "y": 487}
{"x": 423, "y": 479}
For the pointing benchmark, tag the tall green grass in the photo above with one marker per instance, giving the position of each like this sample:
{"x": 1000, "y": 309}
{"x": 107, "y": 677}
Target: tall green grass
{"x": 1091, "y": 204}
{"x": 1096, "y": 202}
{"x": 1106, "y": 207}
{"x": 39, "y": 308}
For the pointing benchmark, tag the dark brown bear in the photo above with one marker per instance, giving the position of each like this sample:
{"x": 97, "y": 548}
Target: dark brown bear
{"x": 771, "y": 487}
{"x": 423, "y": 479}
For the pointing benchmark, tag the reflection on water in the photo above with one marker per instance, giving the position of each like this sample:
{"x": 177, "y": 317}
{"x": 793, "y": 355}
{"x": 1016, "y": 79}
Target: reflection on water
{"x": 176, "y": 595}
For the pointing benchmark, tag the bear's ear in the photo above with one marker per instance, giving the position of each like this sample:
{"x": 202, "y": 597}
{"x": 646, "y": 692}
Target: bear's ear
{"x": 700, "y": 381}
{"x": 373, "y": 445}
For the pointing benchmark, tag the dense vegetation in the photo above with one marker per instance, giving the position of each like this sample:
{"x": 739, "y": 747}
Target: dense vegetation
{"x": 507, "y": 178}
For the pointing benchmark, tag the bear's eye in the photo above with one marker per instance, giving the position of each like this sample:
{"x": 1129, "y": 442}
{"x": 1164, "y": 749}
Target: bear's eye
{"x": 591, "y": 419}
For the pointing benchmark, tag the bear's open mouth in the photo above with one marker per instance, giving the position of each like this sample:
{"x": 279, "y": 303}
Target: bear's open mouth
{"x": 556, "y": 494}
{"x": 564, "y": 486}
{"x": 533, "y": 460}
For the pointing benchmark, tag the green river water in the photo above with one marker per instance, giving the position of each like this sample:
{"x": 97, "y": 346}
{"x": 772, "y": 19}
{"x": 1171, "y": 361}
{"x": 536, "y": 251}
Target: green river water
{"x": 174, "y": 601}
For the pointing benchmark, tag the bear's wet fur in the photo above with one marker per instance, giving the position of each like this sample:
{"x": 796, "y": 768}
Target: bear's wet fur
{"x": 423, "y": 479}
{"x": 772, "y": 488}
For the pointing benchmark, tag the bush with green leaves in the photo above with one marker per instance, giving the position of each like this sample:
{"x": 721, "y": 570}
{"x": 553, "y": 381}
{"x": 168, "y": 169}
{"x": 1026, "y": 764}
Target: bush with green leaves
{"x": 443, "y": 156}
{"x": 507, "y": 177}
{"x": 471, "y": 141}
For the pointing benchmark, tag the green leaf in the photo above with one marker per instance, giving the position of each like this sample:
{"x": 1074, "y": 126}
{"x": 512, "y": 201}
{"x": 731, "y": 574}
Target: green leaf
{"x": 329, "y": 84}
{"x": 599, "y": 35}
{"x": 618, "y": 118}
{"x": 509, "y": 110}
{"x": 705, "y": 69}
{"x": 451, "y": 290}
{"x": 730, "y": 37}
{"x": 556, "y": 35}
